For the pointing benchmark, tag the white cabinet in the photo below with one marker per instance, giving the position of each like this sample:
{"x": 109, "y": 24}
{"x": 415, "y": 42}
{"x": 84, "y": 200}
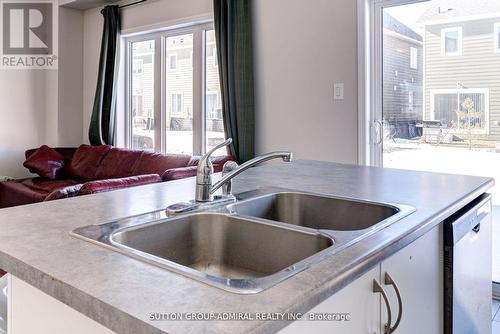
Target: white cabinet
{"x": 32, "y": 311}
{"x": 417, "y": 273}
{"x": 357, "y": 299}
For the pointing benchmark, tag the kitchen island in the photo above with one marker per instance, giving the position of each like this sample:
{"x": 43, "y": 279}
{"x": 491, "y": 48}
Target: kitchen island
{"x": 123, "y": 293}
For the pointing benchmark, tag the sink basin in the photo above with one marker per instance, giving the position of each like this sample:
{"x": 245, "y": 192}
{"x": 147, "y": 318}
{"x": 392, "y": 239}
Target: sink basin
{"x": 250, "y": 245}
{"x": 316, "y": 211}
{"x": 234, "y": 253}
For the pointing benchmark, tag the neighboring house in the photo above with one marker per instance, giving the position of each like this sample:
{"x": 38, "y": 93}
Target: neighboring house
{"x": 403, "y": 76}
{"x": 142, "y": 87}
{"x": 462, "y": 61}
{"x": 179, "y": 83}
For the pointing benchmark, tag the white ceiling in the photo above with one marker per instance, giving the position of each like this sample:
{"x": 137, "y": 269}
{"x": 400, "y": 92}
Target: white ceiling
{"x": 84, "y": 4}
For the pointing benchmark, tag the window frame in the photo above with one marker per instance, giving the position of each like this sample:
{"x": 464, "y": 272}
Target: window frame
{"x": 161, "y": 62}
{"x": 459, "y": 51}
{"x": 458, "y": 91}
{"x": 496, "y": 39}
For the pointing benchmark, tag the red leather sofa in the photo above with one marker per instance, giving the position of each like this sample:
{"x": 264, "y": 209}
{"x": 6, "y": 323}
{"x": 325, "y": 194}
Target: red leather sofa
{"x": 92, "y": 169}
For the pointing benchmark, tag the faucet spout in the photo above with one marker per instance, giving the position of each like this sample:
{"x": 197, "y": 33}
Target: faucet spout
{"x": 284, "y": 155}
{"x": 204, "y": 187}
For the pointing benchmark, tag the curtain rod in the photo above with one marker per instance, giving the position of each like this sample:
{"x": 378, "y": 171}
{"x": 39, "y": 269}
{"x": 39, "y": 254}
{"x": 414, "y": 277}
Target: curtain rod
{"x": 132, "y": 4}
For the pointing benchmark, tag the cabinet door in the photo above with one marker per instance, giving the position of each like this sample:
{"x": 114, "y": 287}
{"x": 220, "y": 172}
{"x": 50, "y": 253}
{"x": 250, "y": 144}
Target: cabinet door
{"x": 417, "y": 271}
{"x": 357, "y": 299}
{"x": 32, "y": 311}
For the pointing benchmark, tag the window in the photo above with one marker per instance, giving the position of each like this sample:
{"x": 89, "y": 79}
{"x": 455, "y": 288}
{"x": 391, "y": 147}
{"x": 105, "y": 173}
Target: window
{"x": 142, "y": 95}
{"x": 414, "y": 58}
{"x": 496, "y": 34}
{"x": 176, "y": 104}
{"x": 213, "y": 111}
{"x": 215, "y": 59}
{"x": 411, "y": 99}
{"x": 451, "y": 41}
{"x": 169, "y": 90}
{"x": 214, "y": 126}
{"x": 172, "y": 61}
{"x": 458, "y": 109}
{"x": 138, "y": 66}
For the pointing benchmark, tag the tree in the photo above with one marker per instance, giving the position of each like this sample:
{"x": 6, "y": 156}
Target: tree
{"x": 467, "y": 116}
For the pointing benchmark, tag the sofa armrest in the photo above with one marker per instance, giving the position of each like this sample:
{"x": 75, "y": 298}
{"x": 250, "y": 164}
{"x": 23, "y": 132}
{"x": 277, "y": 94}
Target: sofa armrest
{"x": 99, "y": 186}
{"x": 66, "y": 192}
{"x": 185, "y": 172}
{"x": 179, "y": 173}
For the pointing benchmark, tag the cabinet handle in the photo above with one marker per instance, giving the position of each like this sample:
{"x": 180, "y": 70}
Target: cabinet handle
{"x": 377, "y": 288}
{"x": 389, "y": 281}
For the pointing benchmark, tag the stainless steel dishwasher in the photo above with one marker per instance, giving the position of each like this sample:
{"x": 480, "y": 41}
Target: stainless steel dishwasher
{"x": 467, "y": 269}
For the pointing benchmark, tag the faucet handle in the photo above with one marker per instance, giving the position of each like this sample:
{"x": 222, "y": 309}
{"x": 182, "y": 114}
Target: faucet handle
{"x": 228, "y": 167}
{"x": 224, "y": 143}
{"x": 204, "y": 173}
{"x": 205, "y": 167}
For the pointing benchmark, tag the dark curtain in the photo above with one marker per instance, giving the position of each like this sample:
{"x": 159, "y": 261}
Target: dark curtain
{"x": 102, "y": 123}
{"x": 233, "y": 31}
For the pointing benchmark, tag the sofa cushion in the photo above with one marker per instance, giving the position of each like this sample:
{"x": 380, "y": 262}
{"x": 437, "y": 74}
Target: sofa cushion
{"x": 45, "y": 162}
{"x": 94, "y": 187}
{"x": 86, "y": 161}
{"x": 118, "y": 163}
{"x": 158, "y": 163}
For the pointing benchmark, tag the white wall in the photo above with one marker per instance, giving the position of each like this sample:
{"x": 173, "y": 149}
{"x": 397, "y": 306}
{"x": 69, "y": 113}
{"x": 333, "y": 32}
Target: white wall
{"x": 301, "y": 49}
{"x": 70, "y": 92}
{"x": 28, "y": 115}
{"x": 31, "y": 113}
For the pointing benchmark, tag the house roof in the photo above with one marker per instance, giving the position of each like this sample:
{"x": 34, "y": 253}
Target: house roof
{"x": 456, "y": 9}
{"x": 393, "y": 24}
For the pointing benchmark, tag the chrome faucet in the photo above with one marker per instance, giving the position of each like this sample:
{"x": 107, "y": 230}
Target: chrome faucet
{"x": 204, "y": 187}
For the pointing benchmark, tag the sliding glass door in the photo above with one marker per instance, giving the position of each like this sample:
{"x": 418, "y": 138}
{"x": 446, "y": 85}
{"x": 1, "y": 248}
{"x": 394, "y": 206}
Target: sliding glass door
{"x": 436, "y": 90}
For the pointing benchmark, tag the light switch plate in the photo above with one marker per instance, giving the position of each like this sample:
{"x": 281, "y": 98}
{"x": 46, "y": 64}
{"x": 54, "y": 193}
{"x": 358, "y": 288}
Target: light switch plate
{"x": 338, "y": 91}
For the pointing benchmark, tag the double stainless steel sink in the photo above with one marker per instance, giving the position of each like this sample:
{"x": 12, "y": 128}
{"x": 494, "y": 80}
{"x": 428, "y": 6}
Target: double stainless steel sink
{"x": 250, "y": 244}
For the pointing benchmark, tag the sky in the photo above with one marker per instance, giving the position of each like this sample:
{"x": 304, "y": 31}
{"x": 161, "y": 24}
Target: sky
{"x": 409, "y": 14}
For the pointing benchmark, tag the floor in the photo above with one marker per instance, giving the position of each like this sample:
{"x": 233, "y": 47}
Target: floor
{"x": 495, "y": 316}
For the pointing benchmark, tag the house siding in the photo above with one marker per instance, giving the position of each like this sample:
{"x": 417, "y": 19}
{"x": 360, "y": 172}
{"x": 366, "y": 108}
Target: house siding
{"x": 400, "y": 79}
{"x": 478, "y": 67}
